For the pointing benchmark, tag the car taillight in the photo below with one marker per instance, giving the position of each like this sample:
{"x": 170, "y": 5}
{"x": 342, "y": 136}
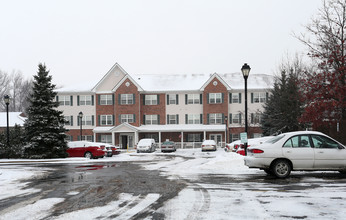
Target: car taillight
{"x": 236, "y": 146}
{"x": 256, "y": 151}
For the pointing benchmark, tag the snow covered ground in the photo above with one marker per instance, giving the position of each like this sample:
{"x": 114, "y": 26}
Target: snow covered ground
{"x": 321, "y": 198}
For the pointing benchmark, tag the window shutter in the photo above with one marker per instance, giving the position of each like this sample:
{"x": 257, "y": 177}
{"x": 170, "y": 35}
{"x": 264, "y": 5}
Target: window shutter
{"x": 177, "y": 99}
{"x": 186, "y": 119}
{"x": 252, "y": 115}
{"x": 251, "y": 97}
{"x": 230, "y": 118}
{"x": 119, "y": 97}
{"x": 92, "y": 120}
{"x": 92, "y": 138}
{"x": 78, "y": 100}
{"x": 134, "y": 118}
{"x": 113, "y": 101}
{"x": 99, "y": 120}
{"x": 71, "y": 99}
{"x": 185, "y": 99}
{"x": 119, "y": 119}
{"x": 200, "y": 98}
{"x": 144, "y": 119}
{"x": 78, "y": 138}
{"x": 222, "y": 97}
{"x": 208, "y": 102}
{"x": 168, "y": 119}
{"x": 223, "y": 119}
{"x": 230, "y": 98}
{"x": 158, "y": 99}
{"x": 78, "y": 120}
{"x": 92, "y": 100}
{"x": 207, "y": 118}
{"x": 99, "y": 99}
{"x": 143, "y": 99}
{"x": 134, "y": 98}
{"x": 57, "y": 98}
{"x": 113, "y": 119}
{"x": 239, "y": 118}
{"x": 71, "y": 120}
{"x": 177, "y": 119}
{"x": 201, "y": 118}
{"x": 167, "y": 99}
{"x": 239, "y": 97}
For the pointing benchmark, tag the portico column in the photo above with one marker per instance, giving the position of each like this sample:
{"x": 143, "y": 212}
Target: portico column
{"x": 204, "y": 135}
{"x": 182, "y": 139}
{"x": 113, "y": 138}
{"x": 159, "y": 139}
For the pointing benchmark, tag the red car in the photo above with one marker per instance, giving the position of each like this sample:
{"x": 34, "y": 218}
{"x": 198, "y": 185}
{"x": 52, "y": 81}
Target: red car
{"x": 85, "y": 149}
{"x": 113, "y": 149}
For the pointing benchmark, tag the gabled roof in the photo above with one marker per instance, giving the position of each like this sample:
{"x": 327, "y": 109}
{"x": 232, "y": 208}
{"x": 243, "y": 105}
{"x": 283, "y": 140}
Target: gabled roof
{"x": 116, "y": 65}
{"x": 123, "y": 80}
{"x": 211, "y": 78}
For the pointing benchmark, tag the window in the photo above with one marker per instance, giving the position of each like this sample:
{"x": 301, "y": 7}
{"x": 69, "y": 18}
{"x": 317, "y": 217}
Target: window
{"x": 172, "y": 99}
{"x": 236, "y": 119}
{"x": 193, "y": 99}
{"x": 193, "y": 119}
{"x": 301, "y": 141}
{"x": 172, "y": 119}
{"x": 87, "y": 120}
{"x": 129, "y": 118}
{"x": 68, "y": 120}
{"x": 85, "y": 100}
{"x": 151, "y": 119}
{"x": 68, "y": 138}
{"x": 151, "y": 99}
{"x": 126, "y": 99}
{"x": 258, "y": 97}
{"x": 235, "y": 97}
{"x": 86, "y": 138}
{"x": 106, "y": 120}
{"x": 215, "y": 119}
{"x": 64, "y": 99}
{"x": 255, "y": 118}
{"x": 323, "y": 142}
{"x": 235, "y": 137}
{"x": 106, "y": 139}
{"x": 106, "y": 99}
{"x": 215, "y": 98}
{"x": 194, "y": 137}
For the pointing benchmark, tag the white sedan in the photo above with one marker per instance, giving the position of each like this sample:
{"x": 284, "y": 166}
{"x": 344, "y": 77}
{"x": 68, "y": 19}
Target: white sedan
{"x": 301, "y": 150}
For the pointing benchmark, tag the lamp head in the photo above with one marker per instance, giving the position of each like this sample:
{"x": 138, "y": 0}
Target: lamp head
{"x": 7, "y": 99}
{"x": 245, "y": 70}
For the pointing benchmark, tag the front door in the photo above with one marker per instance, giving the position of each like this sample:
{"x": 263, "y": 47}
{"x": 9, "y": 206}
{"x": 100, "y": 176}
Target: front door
{"x": 217, "y": 138}
{"x": 124, "y": 141}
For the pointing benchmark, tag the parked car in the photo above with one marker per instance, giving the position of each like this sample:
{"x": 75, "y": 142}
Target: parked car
{"x": 168, "y": 146}
{"x": 85, "y": 149}
{"x": 297, "y": 151}
{"x": 239, "y": 147}
{"x": 209, "y": 145}
{"x": 146, "y": 145}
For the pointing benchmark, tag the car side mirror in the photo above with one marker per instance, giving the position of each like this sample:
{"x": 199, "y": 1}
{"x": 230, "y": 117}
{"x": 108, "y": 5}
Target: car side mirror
{"x": 340, "y": 147}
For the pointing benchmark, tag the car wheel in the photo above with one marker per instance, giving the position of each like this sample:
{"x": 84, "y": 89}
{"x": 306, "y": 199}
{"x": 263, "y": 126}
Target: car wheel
{"x": 281, "y": 168}
{"x": 88, "y": 155}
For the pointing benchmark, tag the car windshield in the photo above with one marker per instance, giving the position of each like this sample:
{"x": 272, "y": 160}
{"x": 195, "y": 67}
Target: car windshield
{"x": 275, "y": 139}
{"x": 168, "y": 142}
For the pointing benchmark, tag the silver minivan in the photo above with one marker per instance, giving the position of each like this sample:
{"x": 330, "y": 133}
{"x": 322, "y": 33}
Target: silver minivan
{"x": 146, "y": 145}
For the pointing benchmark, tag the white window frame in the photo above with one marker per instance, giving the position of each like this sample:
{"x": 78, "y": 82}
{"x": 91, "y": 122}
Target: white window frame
{"x": 215, "y": 98}
{"x": 173, "y": 120}
{"x": 106, "y": 138}
{"x": 126, "y": 99}
{"x": 172, "y": 99}
{"x": 68, "y": 120}
{"x": 87, "y": 120}
{"x": 126, "y": 118}
{"x": 106, "y": 99}
{"x": 193, "y": 119}
{"x": 259, "y": 97}
{"x": 194, "y": 137}
{"x": 215, "y": 118}
{"x": 151, "y": 119}
{"x": 236, "y": 119}
{"x": 86, "y": 138}
{"x": 65, "y": 100}
{"x": 106, "y": 119}
{"x": 235, "y": 98}
{"x": 85, "y": 100}
{"x": 193, "y": 98}
{"x": 257, "y": 118}
{"x": 151, "y": 100}
{"x": 235, "y": 137}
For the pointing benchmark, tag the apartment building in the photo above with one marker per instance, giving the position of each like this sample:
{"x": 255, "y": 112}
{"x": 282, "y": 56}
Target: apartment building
{"x": 122, "y": 109}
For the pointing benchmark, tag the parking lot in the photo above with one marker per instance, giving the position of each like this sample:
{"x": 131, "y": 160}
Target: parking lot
{"x": 187, "y": 184}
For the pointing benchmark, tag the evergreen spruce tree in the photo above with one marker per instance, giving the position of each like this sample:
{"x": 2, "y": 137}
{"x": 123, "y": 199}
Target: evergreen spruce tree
{"x": 284, "y": 107}
{"x": 44, "y": 128}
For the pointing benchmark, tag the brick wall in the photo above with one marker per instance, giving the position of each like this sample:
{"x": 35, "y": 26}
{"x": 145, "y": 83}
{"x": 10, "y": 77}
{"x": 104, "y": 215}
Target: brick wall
{"x": 159, "y": 109}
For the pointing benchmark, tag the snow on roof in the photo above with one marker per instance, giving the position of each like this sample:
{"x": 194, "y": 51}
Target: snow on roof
{"x": 77, "y": 87}
{"x": 254, "y": 81}
{"x": 173, "y": 82}
{"x": 14, "y": 118}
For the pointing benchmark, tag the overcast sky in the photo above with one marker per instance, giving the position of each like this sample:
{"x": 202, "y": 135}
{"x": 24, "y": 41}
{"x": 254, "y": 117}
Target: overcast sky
{"x": 80, "y": 40}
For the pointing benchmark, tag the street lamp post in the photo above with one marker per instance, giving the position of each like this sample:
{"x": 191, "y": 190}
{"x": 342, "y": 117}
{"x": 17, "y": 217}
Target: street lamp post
{"x": 245, "y": 70}
{"x": 7, "y": 102}
{"x": 80, "y": 115}
{"x": 226, "y": 130}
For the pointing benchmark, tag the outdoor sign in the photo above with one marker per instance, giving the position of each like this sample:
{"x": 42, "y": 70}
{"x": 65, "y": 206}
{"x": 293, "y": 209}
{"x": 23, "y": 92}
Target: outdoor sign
{"x": 243, "y": 137}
